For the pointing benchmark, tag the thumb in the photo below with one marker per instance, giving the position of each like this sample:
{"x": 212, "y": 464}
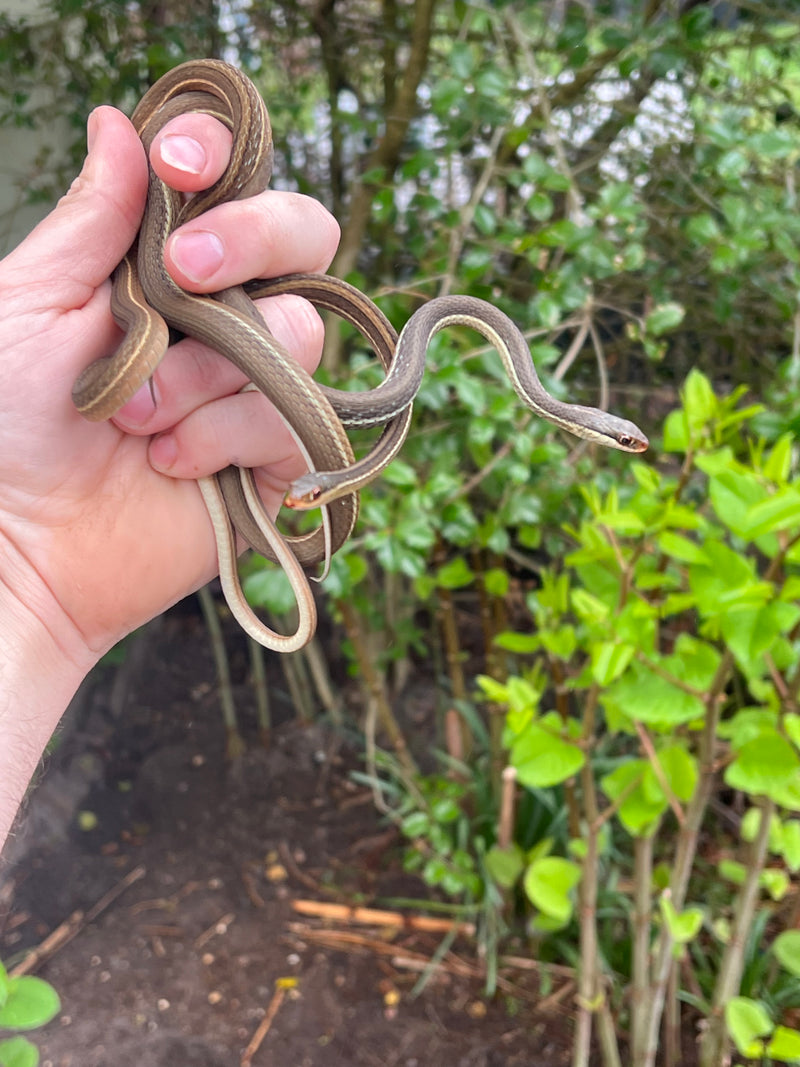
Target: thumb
{"x": 77, "y": 246}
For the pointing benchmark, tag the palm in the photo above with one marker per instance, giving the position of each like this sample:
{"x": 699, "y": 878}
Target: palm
{"x": 88, "y": 529}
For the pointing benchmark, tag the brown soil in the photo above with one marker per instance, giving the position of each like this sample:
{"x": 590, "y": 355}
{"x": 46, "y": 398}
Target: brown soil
{"x": 180, "y": 968}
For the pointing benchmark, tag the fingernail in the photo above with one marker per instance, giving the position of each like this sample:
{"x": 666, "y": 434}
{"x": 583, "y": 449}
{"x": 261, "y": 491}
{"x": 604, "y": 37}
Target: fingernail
{"x": 91, "y": 130}
{"x": 198, "y": 254}
{"x": 163, "y": 452}
{"x": 139, "y": 408}
{"x": 183, "y": 153}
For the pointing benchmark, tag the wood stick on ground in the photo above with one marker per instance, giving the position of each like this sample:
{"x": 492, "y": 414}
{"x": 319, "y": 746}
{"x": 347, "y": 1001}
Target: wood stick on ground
{"x": 73, "y": 925}
{"x": 463, "y": 970}
{"x": 349, "y": 941}
{"x": 526, "y": 963}
{"x": 167, "y": 903}
{"x": 408, "y": 959}
{"x": 215, "y": 930}
{"x": 344, "y": 913}
{"x": 289, "y": 862}
{"x": 263, "y": 1027}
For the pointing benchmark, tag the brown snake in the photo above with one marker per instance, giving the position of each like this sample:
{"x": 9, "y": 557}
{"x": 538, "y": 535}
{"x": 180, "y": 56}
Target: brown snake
{"x": 146, "y": 301}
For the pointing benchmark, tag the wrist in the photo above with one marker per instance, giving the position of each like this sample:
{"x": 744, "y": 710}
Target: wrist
{"x": 42, "y": 662}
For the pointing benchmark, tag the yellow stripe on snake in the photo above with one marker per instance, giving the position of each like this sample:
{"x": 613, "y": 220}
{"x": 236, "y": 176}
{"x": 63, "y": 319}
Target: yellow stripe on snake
{"x": 146, "y": 302}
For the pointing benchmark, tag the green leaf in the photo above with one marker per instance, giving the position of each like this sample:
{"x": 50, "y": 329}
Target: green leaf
{"x": 790, "y": 845}
{"x": 31, "y": 1002}
{"x": 761, "y": 765}
{"x": 732, "y": 165}
{"x": 791, "y": 727}
{"x": 679, "y": 768}
{"x": 786, "y": 948}
{"x": 540, "y": 205}
{"x": 491, "y": 81}
{"x": 683, "y": 926}
{"x": 542, "y": 759}
{"x": 492, "y": 689}
{"x": 505, "y": 865}
{"x": 519, "y": 643}
{"x": 589, "y": 608}
{"x": 699, "y": 401}
{"x": 485, "y": 220}
{"x": 609, "y": 660}
{"x": 640, "y": 809}
{"x": 778, "y": 464}
{"x": 445, "y": 809}
{"x": 663, "y": 318}
{"x": 746, "y": 1022}
{"x": 733, "y": 494}
{"x": 733, "y": 871}
{"x": 401, "y": 474}
{"x": 746, "y": 724}
{"x": 681, "y": 548}
{"x": 752, "y": 631}
{"x": 417, "y": 824}
{"x": 268, "y": 587}
{"x": 702, "y": 228}
{"x": 496, "y": 581}
{"x": 455, "y": 574}
{"x": 751, "y": 824}
{"x": 776, "y": 882}
{"x": 784, "y": 1045}
{"x": 643, "y": 695}
{"x": 548, "y": 883}
{"x": 781, "y": 511}
{"x": 461, "y": 59}
{"x": 676, "y": 436}
{"x": 561, "y": 642}
{"x": 18, "y": 1052}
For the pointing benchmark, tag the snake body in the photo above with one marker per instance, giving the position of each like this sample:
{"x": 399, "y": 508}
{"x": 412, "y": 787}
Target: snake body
{"x": 146, "y": 302}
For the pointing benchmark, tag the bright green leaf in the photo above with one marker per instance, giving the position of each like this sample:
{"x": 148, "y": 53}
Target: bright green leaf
{"x": 784, "y": 1045}
{"x": 505, "y": 865}
{"x": 18, "y": 1052}
{"x": 542, "y": 759}
{"x": 761, "y": 764}
{"x": 455, "y": 574}
{"x": 747, "y": 1021}
{"x": 786, "y": 948}
{"x": 31, "y": 1002}
{"x": 548, "y": 883}
{"x": 663, "y": 318}
{"x": 609, "y": 660}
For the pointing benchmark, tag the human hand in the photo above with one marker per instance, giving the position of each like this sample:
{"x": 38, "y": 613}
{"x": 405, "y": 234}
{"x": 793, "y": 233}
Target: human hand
{"x": 94, "y": 538}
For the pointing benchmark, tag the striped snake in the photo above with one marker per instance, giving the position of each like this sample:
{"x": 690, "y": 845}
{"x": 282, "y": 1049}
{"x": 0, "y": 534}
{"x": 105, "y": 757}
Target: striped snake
{"x": 146, "y": 302}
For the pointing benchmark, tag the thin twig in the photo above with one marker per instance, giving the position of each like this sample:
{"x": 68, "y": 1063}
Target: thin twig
{"x": 74, "y": 924}
{"x": 262, "y": 1030}
{"x": 505, "y": 825}
{"x": 459, "y": 233}
{"x": 259, "y": 676}
{"x": 345, "y": 913}
{"x": 658, "y": 770}
{"x": 234, "y": 744}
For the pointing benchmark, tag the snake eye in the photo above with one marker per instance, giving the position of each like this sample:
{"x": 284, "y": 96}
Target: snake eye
{"x": 631, "y": 444}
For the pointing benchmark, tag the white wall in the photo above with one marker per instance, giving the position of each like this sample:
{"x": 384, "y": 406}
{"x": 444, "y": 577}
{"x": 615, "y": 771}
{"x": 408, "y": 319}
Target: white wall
{"x": 21, "y": 152}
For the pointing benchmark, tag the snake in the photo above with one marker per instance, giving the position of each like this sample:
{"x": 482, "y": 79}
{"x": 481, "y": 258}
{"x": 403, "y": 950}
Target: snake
{"x": 147, "y": 303}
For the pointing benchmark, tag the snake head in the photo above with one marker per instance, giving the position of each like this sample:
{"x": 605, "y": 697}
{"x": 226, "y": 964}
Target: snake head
{"x": 304, "y": 494}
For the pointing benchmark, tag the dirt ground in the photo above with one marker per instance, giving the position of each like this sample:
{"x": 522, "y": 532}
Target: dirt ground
{"x": 187, "y": 868}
